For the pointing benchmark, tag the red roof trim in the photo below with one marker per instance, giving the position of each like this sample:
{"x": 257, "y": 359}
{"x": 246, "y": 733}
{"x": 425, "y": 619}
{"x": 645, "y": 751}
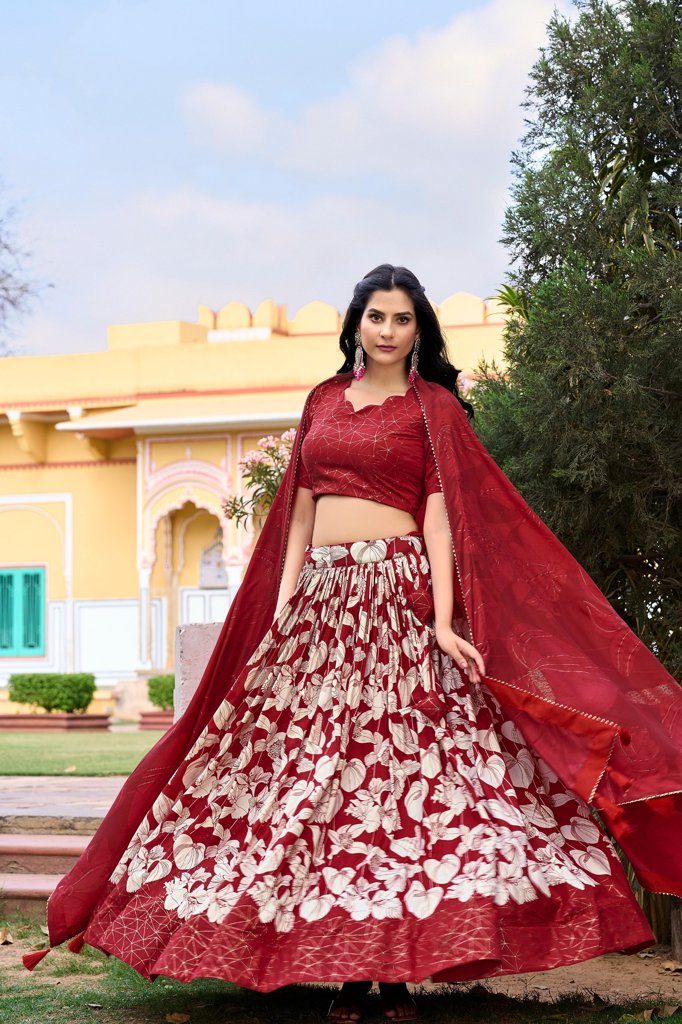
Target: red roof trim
{"x": 7, "y": 466}
{"x": 139, "y": 396}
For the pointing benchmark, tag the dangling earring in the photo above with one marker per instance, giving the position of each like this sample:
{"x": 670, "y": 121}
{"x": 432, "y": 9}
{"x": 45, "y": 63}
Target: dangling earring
{"x": 413, "y": 364}
{"x": 359, "y": 368}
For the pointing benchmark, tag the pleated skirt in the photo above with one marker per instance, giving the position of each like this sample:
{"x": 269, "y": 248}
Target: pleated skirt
{"x": 356, "y": 808}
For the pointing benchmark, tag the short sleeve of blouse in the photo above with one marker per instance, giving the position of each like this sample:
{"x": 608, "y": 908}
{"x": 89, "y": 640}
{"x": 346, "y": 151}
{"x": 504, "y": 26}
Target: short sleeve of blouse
{"x": 302, "y": 479}
{"x": 431, "y": 481}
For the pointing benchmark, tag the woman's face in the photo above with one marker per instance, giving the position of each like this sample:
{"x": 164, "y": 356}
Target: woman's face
{"x": 388, "y": 327}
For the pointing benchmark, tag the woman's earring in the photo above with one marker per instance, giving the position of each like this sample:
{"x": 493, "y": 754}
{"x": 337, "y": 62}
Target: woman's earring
{"x": 359, "y": 368}
{"x": 413, "y": 364}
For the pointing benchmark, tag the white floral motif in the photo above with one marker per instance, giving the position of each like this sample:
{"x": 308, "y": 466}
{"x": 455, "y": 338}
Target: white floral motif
{"x": 324, "y": 556}
{"x": 422, "y": 902}
{"x": 316, "y": 906}
{"x": 582, "y": 829}
{"x": 372, "y": 551}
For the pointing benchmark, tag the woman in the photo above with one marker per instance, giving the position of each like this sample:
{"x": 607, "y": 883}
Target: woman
{"x": 387, "y": 769}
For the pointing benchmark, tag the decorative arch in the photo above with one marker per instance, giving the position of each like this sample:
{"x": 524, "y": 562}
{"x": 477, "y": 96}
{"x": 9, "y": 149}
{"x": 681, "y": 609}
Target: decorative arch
{"x": 63, "y": 532}
{"x": 153, "y": 513}
{"x": 37, "y": 511}
{"x": 183, "y": 530}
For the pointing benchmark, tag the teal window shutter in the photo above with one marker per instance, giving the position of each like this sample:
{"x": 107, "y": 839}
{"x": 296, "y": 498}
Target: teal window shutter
{"x": 6, "y": 611}
{"x": 22, "y": 612}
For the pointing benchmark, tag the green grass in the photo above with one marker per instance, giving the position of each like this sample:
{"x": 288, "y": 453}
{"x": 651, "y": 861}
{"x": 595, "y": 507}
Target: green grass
{"x": 62, "y": 985}
{"x": 73, "y": 753}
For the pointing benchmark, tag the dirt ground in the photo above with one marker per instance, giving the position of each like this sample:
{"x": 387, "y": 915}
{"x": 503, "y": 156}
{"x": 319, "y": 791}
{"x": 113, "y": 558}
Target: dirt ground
{"x": 615, "y": 978}
{"x": 612, "y": 979}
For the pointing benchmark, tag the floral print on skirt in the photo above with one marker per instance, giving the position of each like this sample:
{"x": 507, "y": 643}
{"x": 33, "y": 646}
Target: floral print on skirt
{"x": 356, "y": 808}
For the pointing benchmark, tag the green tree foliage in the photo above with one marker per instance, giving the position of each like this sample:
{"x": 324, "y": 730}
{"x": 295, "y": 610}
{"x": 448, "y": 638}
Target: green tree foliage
{"x": 587, "y": 419}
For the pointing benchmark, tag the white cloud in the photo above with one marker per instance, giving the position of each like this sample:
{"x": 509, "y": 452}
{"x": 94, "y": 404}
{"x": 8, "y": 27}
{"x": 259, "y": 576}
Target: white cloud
{"x": 431, "y": 120}
{"x": 428, "y": 109}
{"x": 414, "y": 107}
{"x": 224, "y": 117}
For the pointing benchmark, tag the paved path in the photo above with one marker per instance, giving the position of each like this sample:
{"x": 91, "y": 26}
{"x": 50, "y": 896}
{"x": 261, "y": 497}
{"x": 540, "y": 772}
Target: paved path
{"x": 57, "y": 796}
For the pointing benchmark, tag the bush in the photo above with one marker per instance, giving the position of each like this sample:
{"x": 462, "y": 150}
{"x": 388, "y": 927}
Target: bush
{"x": 53, "y": 691}
{"x": 160, "y": 691}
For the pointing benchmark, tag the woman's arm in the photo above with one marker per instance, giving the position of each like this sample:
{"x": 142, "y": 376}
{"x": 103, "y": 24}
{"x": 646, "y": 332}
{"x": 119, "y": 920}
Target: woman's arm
{"x": 300, "y": 534}
{"x": 442, "y": 562}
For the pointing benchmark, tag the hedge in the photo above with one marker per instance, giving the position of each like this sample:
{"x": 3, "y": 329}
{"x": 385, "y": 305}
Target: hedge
{"x": 53, "y": 691}
{"x": 160, "y": 691}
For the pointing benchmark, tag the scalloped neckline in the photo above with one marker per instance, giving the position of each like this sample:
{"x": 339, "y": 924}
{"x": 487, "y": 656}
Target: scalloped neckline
{"x": 372, "y": 405}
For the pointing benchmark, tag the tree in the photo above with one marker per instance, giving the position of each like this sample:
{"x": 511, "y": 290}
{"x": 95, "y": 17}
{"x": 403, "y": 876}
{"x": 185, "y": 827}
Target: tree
{"x": 15, "y": 288}
{"x": 587, "y": 419}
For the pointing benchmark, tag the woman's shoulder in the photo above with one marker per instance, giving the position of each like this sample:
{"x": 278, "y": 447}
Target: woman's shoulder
{"x": 335, "y": 380}
{"x": 325, "y": 387}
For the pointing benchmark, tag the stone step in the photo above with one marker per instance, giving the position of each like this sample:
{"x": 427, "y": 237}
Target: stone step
{"x": 53, "y": 824}
{"x": 40, "y": 854}
{"x": 26, "y": 894}
{"x": 56, "y": 804}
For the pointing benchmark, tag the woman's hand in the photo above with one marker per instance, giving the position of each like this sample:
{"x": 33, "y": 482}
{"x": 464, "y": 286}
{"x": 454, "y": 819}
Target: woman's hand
{"x": 464, "y": 654}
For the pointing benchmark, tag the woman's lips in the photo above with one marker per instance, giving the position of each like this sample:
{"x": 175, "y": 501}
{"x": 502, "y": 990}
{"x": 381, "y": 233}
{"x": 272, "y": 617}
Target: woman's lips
{"x": 386, "y": 348}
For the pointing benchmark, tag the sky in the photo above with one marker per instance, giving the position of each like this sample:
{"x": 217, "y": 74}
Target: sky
{"x": 159, "y": 154}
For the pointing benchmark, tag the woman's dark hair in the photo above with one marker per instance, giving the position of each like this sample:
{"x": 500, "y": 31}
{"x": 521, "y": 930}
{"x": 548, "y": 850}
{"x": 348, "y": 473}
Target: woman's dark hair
{"x": 434, "y": 364}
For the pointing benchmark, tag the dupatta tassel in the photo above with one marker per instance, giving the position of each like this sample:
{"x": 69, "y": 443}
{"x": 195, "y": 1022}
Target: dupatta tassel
{"x": 31, "y": 960}
{"x": 614, "y": 816}
{"x": 76, "y": 943}
{"x": 619, "y": 779}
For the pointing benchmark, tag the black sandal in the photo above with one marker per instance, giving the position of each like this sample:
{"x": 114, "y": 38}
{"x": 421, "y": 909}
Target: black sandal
{"x": 350, "y": 995}
{"x": 393, "y": 992}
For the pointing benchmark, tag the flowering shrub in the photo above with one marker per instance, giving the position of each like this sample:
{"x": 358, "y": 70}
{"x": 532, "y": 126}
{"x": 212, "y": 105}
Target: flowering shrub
{"x": 262, "y": 471}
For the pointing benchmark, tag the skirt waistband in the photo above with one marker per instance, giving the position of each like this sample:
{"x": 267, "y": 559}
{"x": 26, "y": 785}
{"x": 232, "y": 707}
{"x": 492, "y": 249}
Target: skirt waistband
{"x": 359, "y": 552}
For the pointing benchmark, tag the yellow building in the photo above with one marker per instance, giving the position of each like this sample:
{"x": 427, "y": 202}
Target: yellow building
{"x": 113, "y": 466}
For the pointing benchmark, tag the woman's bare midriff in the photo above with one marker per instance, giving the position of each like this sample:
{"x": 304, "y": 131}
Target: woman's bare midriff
{"x": 339, "y": 518}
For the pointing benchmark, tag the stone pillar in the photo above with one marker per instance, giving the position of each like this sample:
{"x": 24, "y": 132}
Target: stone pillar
{"x": 194, "y": 645}
{"x": 131, "y": 696}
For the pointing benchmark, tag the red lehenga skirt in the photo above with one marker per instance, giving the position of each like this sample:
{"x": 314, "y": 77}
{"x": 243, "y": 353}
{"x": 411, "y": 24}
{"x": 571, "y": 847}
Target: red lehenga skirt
{"x": 359, "y": 809}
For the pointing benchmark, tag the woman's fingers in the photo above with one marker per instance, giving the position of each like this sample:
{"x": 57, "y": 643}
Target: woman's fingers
{"x": 464, "y": 655}
{"x": 471, "y": 660}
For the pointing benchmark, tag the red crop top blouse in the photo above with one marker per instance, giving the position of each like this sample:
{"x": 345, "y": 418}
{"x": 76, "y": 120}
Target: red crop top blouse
{"x": 381, "y": 452}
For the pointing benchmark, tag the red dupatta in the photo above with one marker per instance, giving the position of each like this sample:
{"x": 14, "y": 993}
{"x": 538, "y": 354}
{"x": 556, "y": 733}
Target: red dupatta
{"x": 587, "y": 694}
